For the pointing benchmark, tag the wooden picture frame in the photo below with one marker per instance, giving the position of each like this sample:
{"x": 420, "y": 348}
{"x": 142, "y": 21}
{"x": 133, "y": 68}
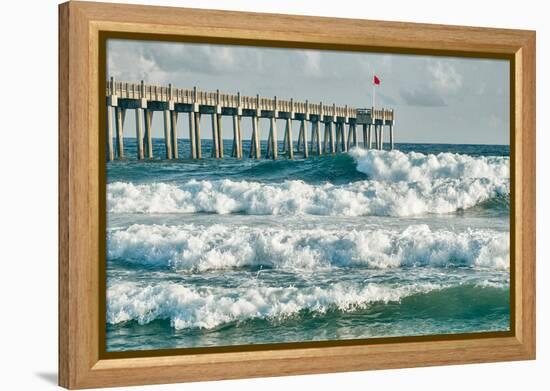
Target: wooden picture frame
{"x": 83, "y": 26}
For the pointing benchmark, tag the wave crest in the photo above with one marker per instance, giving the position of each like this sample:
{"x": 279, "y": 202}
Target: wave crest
{"x": 207, "y": 308}
{"x": 396, "y": 166}
{"x": 399, "y": 185}
{"x": 198, "y": 248}
{"x": 296, "y": 197}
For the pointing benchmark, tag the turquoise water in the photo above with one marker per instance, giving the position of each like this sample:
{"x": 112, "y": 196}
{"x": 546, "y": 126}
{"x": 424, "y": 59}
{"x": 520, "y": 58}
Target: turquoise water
{"x": 364, "y": 244}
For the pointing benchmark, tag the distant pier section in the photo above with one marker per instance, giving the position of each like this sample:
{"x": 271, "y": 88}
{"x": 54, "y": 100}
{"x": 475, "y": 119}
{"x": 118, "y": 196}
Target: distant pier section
{"x": 340, "y": 123}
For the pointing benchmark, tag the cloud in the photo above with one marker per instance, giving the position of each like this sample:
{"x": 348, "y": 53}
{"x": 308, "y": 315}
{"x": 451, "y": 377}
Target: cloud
{"x": 440, "y": 82}
{"x": 191, "y": 58}
{"x": 422, "y": 97}
{"x": 127, "y": 64}
{"x": 445, "y": 77}
{"x": 312, "y": 62}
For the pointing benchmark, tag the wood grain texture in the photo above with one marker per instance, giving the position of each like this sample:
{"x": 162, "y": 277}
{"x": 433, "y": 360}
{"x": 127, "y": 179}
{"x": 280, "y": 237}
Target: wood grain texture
{"x": 81, "y": 153}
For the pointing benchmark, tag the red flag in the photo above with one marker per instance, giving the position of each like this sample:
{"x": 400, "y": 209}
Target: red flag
{"x": 376, "y": 80}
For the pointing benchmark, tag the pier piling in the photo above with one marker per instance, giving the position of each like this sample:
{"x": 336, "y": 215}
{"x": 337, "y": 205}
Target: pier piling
{"x": 289, "y": 141}
{"x": 215, "y": 143}
{"x": 303, "y": 132}
{"x": 220, "y": 134}
{"x": 240, "y": 138}
{"x": 344, "y": 137}
{"x": 174, "y": 128}
{"x": 120, "y": 117}
{"x": 110, "y": 150}
{"x": 148, "y": 132}
{"x": 273, "y": 138}
{"x": 318, "y": 138}
{"x": 167, "y": 134}
{"x": 234, "y": 149}
{"x": 139, "y": 133}
{"x": 198, "y": 142}
{"x": 192, "y": 142}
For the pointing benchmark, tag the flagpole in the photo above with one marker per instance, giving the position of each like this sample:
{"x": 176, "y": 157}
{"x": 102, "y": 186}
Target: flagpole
{"x": 373, "y": 93}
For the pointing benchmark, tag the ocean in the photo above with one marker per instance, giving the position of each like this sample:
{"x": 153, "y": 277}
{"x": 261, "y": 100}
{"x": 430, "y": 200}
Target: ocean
{"x": 364, "y": 244}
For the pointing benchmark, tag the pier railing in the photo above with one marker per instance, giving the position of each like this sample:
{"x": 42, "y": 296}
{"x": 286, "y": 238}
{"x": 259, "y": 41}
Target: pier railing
{"x": 150, "y": 92}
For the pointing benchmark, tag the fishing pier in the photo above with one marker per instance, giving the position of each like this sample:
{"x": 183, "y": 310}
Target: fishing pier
{"x": 340, "y": 123}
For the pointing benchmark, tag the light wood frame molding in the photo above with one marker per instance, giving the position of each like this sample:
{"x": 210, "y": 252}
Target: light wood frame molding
{"x": 81, "y": 363}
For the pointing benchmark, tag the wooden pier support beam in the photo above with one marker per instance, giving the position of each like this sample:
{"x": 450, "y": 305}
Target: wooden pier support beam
{"x": 312, "y": 136}
{"x": 198, "y": 142}
{"x": 215, "y": 142}
{"x": 120, "y": 117}
{"x": 369, "y": 136}
{"x": 332, "y": 137}
{"x": 237, "y": 131}
{"x": 268, "y": 148}
{"x": 273, "y": 137}
{"x": 236, "y": 136}
{"x": 303, "y": 131}
{"x": 344, "y": 136}
{"x": 139, "y": 133}
{"x": 216, "y": 139}
{"x": 168, "y": 134}
{"x": 148, "y": 132}
{"x": 353, "y": 131}
{"x": 318, "y": 138}
{"x": 174, "y": 127}
{"x": 257, "y": 132}
{"x": 240, "y": 128}
{"x": 326, "y": 138}
{"x": 255, "y": 150}
{"x": 173, "y": 123}
{"x": 381, "y": 137}
{"x": 337, "y": 136}
{"x": 112, "y": 117}
{"x": 300, "y": 137}
{"x": 285, "y": 134}
{"x": 195, "y": 127}
{"x": 220, "y": 134}
{"x": 391, "y": 137}
{"x": 255, "y": 145}
{"x": 192, "y": 142}
{"x": 110, "y": 149}
{"x": 289, "y": 141}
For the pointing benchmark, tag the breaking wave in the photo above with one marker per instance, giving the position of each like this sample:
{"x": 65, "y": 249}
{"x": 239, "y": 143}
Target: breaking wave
{"x": 396, "y": 166}
{"x": 188, "y": 307}
{"x": 197, "y": 248}
{"x": 211, "y": 308}
{"x": 398, "y": 185}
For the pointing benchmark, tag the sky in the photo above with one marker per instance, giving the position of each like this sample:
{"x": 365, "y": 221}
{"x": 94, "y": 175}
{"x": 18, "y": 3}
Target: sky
{"x": 436, "y": 99}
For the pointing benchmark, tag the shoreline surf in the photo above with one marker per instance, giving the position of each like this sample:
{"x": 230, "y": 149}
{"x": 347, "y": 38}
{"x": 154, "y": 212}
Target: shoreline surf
{"x": 360, "y": 245}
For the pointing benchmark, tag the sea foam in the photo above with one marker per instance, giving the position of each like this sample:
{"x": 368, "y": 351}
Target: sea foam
{"x": 191, "y": 307}
{"x": 198, "y": 248}
{"x": 399, "y": 185}
{"x": 396, "y": 166}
